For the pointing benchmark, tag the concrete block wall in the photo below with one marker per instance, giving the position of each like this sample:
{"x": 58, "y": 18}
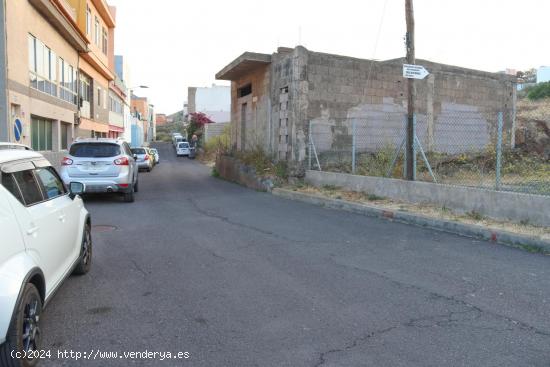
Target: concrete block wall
{"x": 511, "y": 206}
{"x": 213, "y": 130}
{"x": 456, "y": 107}
{"x": 289, "y": 101}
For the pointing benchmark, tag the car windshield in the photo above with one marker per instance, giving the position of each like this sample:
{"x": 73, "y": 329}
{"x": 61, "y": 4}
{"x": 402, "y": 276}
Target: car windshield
{"x": 183, "y": 145}
{"x": 94, "y": 150}
{"x": 138, "y": 151}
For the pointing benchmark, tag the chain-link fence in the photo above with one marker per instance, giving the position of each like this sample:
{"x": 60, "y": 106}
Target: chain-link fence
{"x": 488, "y": 149}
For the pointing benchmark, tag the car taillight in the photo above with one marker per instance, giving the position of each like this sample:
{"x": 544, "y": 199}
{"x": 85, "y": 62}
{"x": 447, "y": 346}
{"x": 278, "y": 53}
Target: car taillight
{"x": 146, "y": 157}
{"x": 124, "y": 186}
{"x": 66, "y": 161}
{"x": 122, "y": 161}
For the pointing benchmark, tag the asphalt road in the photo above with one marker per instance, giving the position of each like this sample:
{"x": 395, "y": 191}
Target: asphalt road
{"x": 236, "y": 277}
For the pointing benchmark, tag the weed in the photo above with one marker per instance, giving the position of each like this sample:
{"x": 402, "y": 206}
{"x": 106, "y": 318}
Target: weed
{"x": 330, "y": 187}
{"x": 373, "y": 197}
{"x": 281, "y": 169}
{"x": 524, "y": 222}
{"x": 475, "y": 215}
{"x": 533, "y": 249}
{"x": 215, "y": 172}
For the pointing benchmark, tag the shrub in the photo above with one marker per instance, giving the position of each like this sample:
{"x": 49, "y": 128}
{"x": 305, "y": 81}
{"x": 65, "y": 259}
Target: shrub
{"x": 539, "y": 91}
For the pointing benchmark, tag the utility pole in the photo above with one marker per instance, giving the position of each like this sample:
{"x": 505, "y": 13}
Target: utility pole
{"x": 409, "y": 39}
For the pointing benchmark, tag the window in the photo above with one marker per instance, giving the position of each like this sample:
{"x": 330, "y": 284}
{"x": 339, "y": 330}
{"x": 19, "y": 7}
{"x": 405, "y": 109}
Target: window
{"x": 96, "y": 32}
{"x": 244, "y": 91}
{"x": 9, "y": 183}
{"x": 68, "y": 86}
{"x": 41, "y": 134}
{"x": 104, "y": 43}
{"x": 88, "y": 20}
{"x": 50, "y": 183}
{"x": 64, "y": 136}
{"x": 29, "y": 187}
{"x": 42, "y": 66}
{"x": 115, "y": 104}
{"x": 99, "y": 97}
{"x": 94, "y": 150}
{"x": 85, "y": 91}
{"x": 138, "y": 151}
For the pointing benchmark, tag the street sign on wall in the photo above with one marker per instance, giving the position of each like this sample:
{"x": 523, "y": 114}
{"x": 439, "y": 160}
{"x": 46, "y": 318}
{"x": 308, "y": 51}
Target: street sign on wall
{"x": 414, "y": 71}
{"x": 17, "y": 129}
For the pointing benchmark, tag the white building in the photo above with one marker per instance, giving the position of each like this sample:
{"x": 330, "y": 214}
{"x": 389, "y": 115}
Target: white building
{"x": 214, "y": 101}
{"x": 543, "y": 74}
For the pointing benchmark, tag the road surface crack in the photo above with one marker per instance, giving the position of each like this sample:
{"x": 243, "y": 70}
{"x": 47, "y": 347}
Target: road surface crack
{"x": 241, "y": 225}
{"x": 353, "y": 344}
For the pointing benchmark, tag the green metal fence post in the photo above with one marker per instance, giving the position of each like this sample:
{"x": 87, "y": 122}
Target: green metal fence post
{"x": 499, "y": 152}
{"x": 353, "y": 145}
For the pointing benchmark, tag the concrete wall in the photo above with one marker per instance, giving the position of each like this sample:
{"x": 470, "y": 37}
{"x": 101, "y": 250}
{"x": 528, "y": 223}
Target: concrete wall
{"x": 213, "y": 130}
{"x": 289, "y": 103}
{"x": 456, "y": 107}
{"x": 251, "y": 127}
{"x": 498, "y": 205}
{"x": 232, "y": 170}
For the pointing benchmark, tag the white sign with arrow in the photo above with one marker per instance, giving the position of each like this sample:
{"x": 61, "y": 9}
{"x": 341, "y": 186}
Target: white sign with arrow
{"x": 414, "y": 71}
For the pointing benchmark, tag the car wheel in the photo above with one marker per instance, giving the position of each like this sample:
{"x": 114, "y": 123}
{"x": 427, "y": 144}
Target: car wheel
{"x": 136, "y": 186}
{"x": 149, "y": 169}
{"x": 24, "y": 334}
{"x": 129, "y": 196}
{"x": 85, "y": 261}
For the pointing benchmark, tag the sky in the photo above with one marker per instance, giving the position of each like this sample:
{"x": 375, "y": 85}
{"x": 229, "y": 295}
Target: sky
{"x": 173, "y": 44}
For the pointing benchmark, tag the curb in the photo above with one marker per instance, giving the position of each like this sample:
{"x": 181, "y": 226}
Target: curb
{"x": 528, "y": 243}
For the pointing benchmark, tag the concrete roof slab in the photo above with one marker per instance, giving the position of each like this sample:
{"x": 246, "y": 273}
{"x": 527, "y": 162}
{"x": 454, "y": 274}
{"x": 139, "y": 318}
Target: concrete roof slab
{"x": 242, "y": 65}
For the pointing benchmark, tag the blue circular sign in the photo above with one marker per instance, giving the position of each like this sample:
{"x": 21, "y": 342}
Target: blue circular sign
{"x": 17, "y": 129}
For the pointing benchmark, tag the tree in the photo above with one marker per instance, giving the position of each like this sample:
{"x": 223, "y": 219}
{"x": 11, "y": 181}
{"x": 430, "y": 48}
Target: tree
{"x": 197, "y": 120}
{"x": 528, "y": 76}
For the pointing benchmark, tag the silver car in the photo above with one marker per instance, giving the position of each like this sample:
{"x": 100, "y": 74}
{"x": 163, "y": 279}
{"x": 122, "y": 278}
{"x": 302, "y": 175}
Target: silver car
{"x": 143, "y": 158}
{"x": 103, "y": 165}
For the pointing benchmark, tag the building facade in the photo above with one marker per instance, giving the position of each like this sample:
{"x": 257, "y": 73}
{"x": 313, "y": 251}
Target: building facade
{"x": 275, "y": 98}
{"x": 96, "y": 21}
{"x": 43, "y": 44}
{"x": 140, "y": 111}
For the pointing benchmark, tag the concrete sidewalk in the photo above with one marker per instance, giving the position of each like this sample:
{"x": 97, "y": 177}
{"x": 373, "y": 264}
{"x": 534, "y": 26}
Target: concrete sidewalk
{"x": 528, "y": 243}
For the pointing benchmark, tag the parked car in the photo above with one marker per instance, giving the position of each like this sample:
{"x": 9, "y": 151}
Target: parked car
{"x": 143, "y": 159}
{"x": 183, "y": 149}
{"x": 4, "y": 146}
{"x": 45, "y": 236}
{"x": 156, "y": 155}
{"x": 177, "y": 139}
{"x": 103, "y": 165}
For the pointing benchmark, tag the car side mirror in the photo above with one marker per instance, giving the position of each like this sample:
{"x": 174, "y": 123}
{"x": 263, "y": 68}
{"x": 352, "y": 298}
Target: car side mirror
{"x": 76, "y": 188}
{"x": 135, "y": 157}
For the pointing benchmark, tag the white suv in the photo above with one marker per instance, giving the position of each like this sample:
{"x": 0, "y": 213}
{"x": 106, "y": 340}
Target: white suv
{"x": 45, "y": 236}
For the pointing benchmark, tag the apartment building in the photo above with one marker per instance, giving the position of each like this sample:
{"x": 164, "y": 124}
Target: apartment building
{"x": 42, "y": 45}
{"x": 140, "y": 109}
{"x": 117, "y": 99}
{"x": 96, "y": 22}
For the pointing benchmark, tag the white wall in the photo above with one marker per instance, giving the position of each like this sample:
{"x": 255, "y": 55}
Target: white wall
{"x": 215, "y": 102}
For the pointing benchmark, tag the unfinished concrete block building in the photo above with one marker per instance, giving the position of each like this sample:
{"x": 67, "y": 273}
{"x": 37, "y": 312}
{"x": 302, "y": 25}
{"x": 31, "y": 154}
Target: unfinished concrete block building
{"x": 275, "y": 99}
